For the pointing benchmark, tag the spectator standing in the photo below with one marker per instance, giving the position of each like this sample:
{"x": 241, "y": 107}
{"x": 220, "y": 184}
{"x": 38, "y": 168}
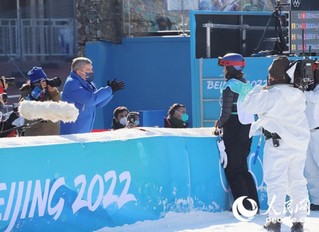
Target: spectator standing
{"x": 37, "y": 89}
{"x": 163, "y": 23}
{"x": 80, "y": 90}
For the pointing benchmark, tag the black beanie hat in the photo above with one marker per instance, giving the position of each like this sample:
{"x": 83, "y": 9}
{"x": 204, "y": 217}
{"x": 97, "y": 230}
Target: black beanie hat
{"x": 279, "y": 67}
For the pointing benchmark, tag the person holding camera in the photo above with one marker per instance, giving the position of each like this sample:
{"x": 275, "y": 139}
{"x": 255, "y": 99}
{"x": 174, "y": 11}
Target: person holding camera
{"x": 235, "y": 124}
{"x": 281, "y": 110}
{"x": 80, "y": 90}
{"x": 40, "y": 88}
{"x": 133, "y": 119}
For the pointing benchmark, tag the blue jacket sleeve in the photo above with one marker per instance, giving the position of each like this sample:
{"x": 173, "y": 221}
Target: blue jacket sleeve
{"x": 75, "y": 92}
{"x": 103, "y": 103}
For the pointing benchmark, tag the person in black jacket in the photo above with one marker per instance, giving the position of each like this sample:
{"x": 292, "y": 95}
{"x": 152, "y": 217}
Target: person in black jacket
{"x": 235, "y": 126}
{"x": 119, "y": 117}
{"x": 176, "y": 116}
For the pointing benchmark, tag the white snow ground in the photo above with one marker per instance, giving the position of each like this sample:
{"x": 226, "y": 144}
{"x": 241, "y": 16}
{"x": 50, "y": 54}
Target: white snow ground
{"x": 210, "y": 222}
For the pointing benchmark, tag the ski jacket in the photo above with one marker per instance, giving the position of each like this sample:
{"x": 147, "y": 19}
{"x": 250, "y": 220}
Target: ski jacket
{"x": 233, "y": 93}
{"x": 281, "y": 110}
{"x": 312, "y": 109}
{"x": 86, "y": 98}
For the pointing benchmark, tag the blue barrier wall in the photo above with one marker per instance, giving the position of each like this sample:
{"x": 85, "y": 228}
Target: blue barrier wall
{"x": 156, "y": 71}
{"x": 90, "y": 181}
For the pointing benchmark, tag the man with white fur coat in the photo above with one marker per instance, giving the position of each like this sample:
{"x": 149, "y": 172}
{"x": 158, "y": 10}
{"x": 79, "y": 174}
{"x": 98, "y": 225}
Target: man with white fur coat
{"x": 280, "y": 108}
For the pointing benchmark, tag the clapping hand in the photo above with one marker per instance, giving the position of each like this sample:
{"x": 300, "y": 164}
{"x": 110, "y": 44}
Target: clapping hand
{"x": 116, "y": 86}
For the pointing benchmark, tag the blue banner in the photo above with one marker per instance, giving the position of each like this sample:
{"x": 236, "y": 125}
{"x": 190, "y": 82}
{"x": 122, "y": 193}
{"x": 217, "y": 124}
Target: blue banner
{"x": 91, "y": 181}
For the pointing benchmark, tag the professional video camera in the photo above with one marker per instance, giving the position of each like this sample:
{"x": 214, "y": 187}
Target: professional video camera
{"x": 302, "y": 73}
{"x": 54, "y": 82}
{"x": 279, "y": 5}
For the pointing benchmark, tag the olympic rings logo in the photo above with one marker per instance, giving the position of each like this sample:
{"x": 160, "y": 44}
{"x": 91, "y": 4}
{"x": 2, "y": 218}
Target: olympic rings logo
{"x": 296, "y": 3}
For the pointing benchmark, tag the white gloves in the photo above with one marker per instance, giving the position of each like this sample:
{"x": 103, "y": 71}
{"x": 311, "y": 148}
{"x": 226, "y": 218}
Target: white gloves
{"x": 222, "y": 153}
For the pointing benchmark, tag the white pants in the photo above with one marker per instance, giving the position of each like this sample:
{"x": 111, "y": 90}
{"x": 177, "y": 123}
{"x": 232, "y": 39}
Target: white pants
{"x": 284, "y": 175}
{"x": 312, "y": 167}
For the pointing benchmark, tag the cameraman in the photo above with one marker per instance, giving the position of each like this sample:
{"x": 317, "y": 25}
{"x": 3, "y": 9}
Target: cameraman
{"x": 281, "y": 111}
{"x": 38, "y": 88}
{"x": 312, "y": 160}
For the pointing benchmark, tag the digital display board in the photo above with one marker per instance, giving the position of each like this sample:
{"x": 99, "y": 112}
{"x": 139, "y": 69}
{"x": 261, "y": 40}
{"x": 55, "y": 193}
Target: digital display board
{"x": 304, "y": 32}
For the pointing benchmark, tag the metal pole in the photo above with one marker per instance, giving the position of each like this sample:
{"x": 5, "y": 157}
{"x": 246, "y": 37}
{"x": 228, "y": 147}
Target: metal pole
{"x": 50, "y": 31}
{"x": 201, "y": 92}
{"x": 129, "y": 17}
{"x": 208, "y": 42}
{"x": 243, "y": 37}
{"x": 74, "y": 31}
{"x": 183, "y": 26}
{"x": 19, "y": 30}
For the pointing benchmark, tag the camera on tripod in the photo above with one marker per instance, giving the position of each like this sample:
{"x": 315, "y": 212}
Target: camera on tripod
{"x": 282, "y": 6}
{"x": 54, "y": 82}
{"x": 278, "y": 5}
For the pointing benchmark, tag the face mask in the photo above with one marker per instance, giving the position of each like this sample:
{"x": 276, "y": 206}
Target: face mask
{"x": 184, "y": 117}
{"x": 137, "y": 122}
{"x": 123, "y": 121}
{"x": 89, "y": 77}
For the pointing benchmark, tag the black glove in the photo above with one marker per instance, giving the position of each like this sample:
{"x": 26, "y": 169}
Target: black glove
{"x": 116, "y": 86}
{"x": 4, "y": 97}
{"x": 13, "y": 116}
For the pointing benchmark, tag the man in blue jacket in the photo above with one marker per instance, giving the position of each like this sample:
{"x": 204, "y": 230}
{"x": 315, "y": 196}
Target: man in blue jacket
{"x": 80, "y": 90}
